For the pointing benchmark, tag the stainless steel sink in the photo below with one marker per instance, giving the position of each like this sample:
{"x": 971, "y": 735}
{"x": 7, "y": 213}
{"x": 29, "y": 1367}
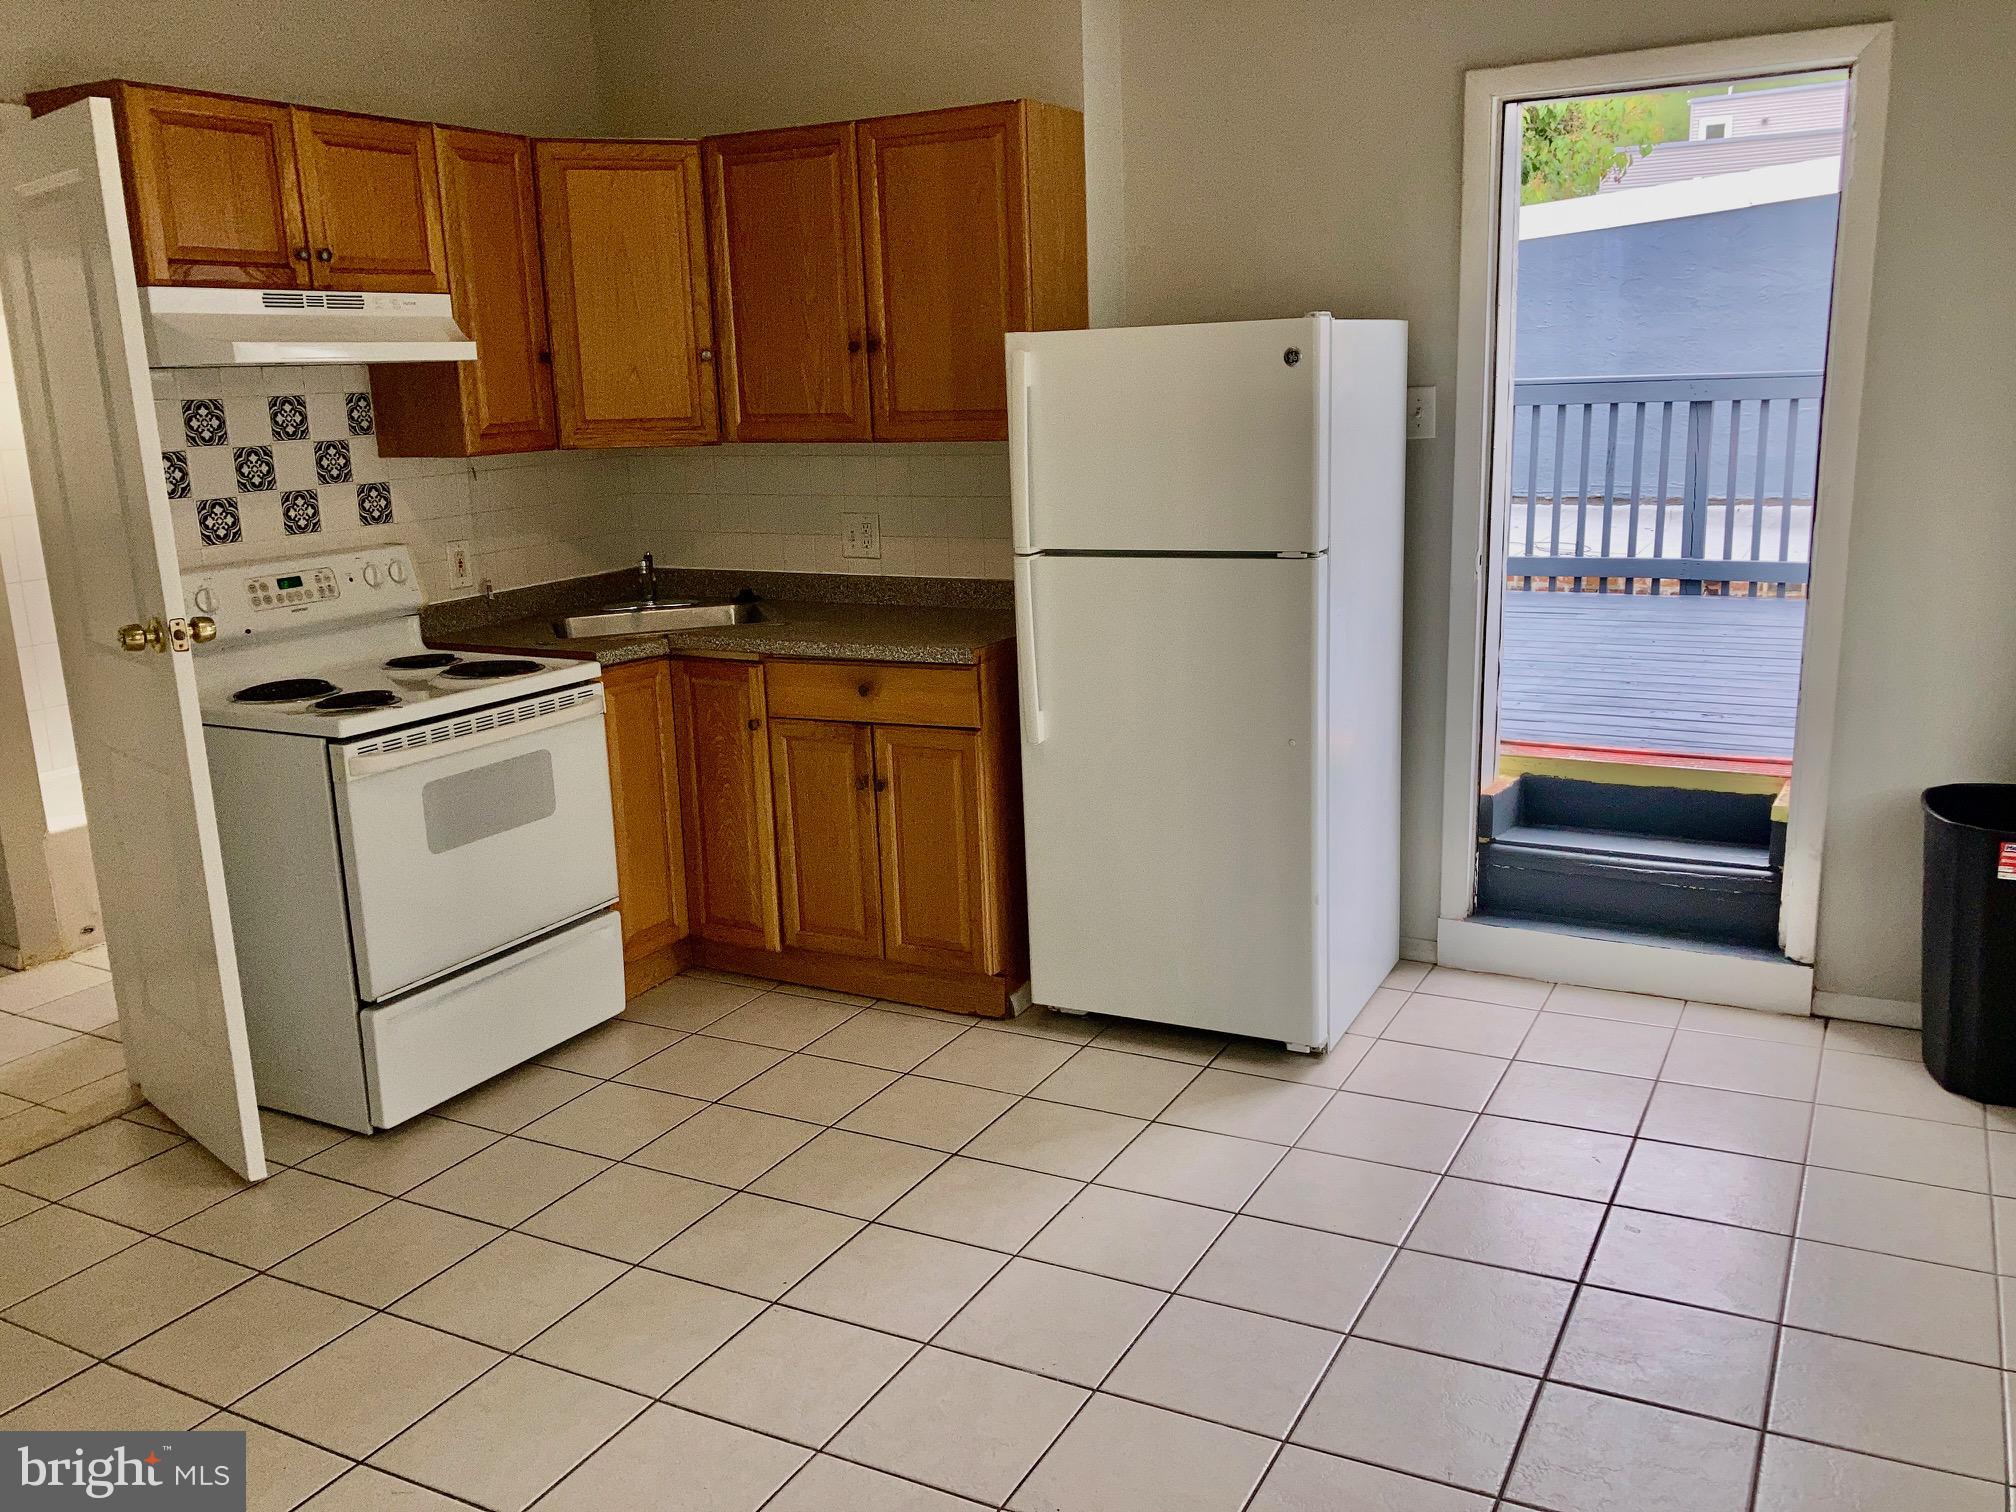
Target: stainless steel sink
{"x": 653, "y": 619}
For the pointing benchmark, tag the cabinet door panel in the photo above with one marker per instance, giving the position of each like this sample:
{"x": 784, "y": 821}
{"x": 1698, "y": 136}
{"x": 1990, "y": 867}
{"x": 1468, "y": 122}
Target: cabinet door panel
{"x": 943, "y": 219}
{"x": 644, "y": 790}
{"x": 626, "y": 285}
{"x": 373, "y": 200}
{"x": 214, "y": 192}
{"x": 829, "y": 881}
{"x": 932, "y": 861}
{"x": 731, "y": 836}
{"x": 784, "y": 212}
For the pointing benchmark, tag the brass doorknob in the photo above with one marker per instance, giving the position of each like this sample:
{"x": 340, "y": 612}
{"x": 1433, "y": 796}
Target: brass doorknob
{"x": 202, "y": 629}
{"x": 148, "y": 637}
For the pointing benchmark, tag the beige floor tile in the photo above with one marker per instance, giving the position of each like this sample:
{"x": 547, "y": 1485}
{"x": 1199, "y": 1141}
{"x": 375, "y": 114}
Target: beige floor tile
{"x": 22, "y": 990}
{"x": 1423, "y": 1415}
{"x": 1883, "y": 1084}
{"x": 896, "y": 1281}
{"x": 72, "y": 1164}
{"x": 96, "y": 1101}
{"x": 978, "y": 1202}
{"x": 1225, "y": 1365}
{"x": 1248, "y": 1107}
{"x": 1052, "y": 1137}
{"x": 1484, "y": 987}
{"x": 1564, "y": 1095}
{"x": 728, "y": 1147}
{"x": 819, "y": 994}
{"x": 280, "y": 1471}
{"x": 31, "y": 1364}
{"x": 509, "y": 1435}
{"x": 626, "y": 1213}
{"x": 1389, "y": 1130}
{"x": 781, "y": 1021}
{"x": 291, "y": 1140}
{"x": 1303, "y": 1275}
{"x": 756, "y": 1245}
{"x": 509, "y": 1291}
{"x": 613, "y": 1121}
{"x": 836, "y": 1485}
{"x": 1043, "y": 1023}
{"x": 29, "y": 1127}
{"x": 1004, "y": 1062}
{"x": 42, "y": 1076}
{"x": 1139, "y": 1086}
{"x": 92, "y": 1009}
{"x": 2002, "y": 1162}
{"x": 892, "y": 1041}
{"x": 1479, "y": 1313}
{"x": 1798, "y": 1477}
{"x": 1509, "y": 1226}
{"x": 1872, "y": 1039}
{"x": 966, "y": 1426}
{"x": 15, "y": 1204}
{"x": 363, "y": 1489}
{"x": 127, "y": 1296}
{"x": 1150, "y": 1241}
{"x": 20, "y": 1037}
{"x": 1596, "y": 1044}
{"x": 673, "y": 1459}
{"x": 1420, "y": 1073}
{"x": 644, "y": 1330}
{"x": 1767, "y": 1068}
{"x": 1120, "y": 1456}
{"x": 52, "y": 1244}
{"x": 921, "y": 1111}
{"x": 508, "y": 1102}
{"x": 855, "y": 1174}
{"x": 507, "y": 1182}
{"x": 1740, "y": 1122}
{"x": 1454, "y": 1024}
{"x": 1304, "y": 1481}
{"x": 1543, "y": 1157}
{"x": 397, "y": 1160}
{"x": 1254, "y": 1058}
{"x": 250, "y": 1334}
{"x": 689, "y": 1002}
{"x": 357, "y": 1393}
{"x": 1712, "y": 1184}
{"x": 610, "y": 1049}
{"x": 105, "y": 1399}
{"x": 1584, "y": 1452}
{"x": 1907, "y": 1149}
{"x": 1939, "y": 1224}
{"x": 1406, "y": 976}
{"x": 1940, "y": 1413}
{"x": 163, "y": 1191}
{"x": 1751, "y": 1023}
{"x": 806, "y": 1087}
{"x": 386, "y": 1253}
{"x": 1190, "y": 1165}
{"x": 1056, "y": 1322}
{"x": 1884, "y": 1299}
{"x": 1196, "y": 1046}
{"x": 1661, "y": 1352}
{"x": 1685, "y": 1260}
{"x": 266, "y": 1223}
{"x": 1629, "y": 1007}
{"x": 795, "y": 1375}
{"x": 1343, "y": 1195}
{"x": 1379, "y": 1009}
{"x": 699, "y": 1066}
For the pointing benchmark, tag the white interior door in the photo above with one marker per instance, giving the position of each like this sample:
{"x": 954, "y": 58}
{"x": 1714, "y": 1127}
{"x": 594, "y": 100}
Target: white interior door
{"x": 94, "y": 456}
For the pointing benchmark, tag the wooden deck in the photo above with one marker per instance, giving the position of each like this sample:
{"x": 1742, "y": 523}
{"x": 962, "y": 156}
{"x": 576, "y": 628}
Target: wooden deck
{"x": 1711, "y": 677}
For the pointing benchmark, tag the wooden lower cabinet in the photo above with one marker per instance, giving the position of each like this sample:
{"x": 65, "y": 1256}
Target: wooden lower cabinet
{"x": 644, "y": 802}
{"x": 927, "y": 787}
{"x": 724, "y": 782}
{"x": 828, "y": 880}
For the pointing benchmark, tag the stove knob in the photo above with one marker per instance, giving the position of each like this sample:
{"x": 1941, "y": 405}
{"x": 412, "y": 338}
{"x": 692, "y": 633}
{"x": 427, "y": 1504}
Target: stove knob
{"x": 206, "y": 601}
{"x": 396, "y": 570}
{"x": 371, "y": 575}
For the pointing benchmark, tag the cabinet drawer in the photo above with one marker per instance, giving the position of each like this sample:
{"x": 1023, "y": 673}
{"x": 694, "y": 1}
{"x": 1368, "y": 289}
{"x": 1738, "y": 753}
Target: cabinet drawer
{"x": 874, "y": 693}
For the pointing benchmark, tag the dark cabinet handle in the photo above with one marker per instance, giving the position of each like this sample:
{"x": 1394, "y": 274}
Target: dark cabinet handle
{"x": 874, "y": 344}
{"x": 881, "y": 785}
{"x": 547, "y": 358}
{"x": 300, "y": 254}
{"x": 325, "y": 254}
{"x": 755, "y": 724}
{"x": 865, "y": 689}
{"x": 854, "y": 344}
{"x": 861, "y": 783}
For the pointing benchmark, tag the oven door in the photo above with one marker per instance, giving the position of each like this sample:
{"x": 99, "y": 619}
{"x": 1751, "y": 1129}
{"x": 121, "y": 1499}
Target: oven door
{"x": 468, "y": 835}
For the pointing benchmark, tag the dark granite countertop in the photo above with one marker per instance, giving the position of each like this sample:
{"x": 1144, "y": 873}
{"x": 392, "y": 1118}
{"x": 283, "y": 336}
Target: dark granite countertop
{"x": 947, "y": 621}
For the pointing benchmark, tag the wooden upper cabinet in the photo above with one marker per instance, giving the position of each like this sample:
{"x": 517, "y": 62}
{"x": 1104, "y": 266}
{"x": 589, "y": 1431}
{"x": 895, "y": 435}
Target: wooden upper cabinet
{"x": 644, "y": 792}
{"x": 784, "y": 217}
{"x": 503, "y": 401}
{"x": 973, "y": 224}
{"x": 829, "y": 876}
{"x": 933, "y": 857}
{"x": 373, "y": 202}
{"x": 725, "y": 783}
{"x": 624, "y": 230}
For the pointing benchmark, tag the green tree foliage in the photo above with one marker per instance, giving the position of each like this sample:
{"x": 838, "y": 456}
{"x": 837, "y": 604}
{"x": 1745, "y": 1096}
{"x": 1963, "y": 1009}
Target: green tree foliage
{"x": 1572, "y": 146}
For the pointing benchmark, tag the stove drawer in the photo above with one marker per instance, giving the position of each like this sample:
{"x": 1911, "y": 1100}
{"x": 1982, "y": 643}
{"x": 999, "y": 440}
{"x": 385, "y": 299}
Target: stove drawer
{"x": 444, "y": 1039}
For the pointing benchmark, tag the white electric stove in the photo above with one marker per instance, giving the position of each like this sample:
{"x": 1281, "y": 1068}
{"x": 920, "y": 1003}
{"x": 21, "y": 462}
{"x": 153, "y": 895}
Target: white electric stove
{"x": 417, "y": 844}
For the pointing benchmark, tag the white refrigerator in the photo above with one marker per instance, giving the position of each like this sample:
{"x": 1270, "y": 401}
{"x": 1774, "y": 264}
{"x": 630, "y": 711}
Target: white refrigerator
{"x": 1207, "y": 588}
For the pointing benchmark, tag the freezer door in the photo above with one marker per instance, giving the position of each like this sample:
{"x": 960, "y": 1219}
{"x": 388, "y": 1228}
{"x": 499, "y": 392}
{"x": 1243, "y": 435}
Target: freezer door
{"x": 1169, "y": 438}
{"x": 1172, "y": 810}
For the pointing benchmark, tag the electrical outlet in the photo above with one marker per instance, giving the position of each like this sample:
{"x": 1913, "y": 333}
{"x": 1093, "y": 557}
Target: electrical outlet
{"x": 861, "y": 535}
{"x": 461, "y": 572}
{"x": 1421, "y": 414}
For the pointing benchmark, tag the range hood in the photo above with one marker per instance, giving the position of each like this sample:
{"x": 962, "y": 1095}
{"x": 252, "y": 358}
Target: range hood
{"x": 272, "y": 327}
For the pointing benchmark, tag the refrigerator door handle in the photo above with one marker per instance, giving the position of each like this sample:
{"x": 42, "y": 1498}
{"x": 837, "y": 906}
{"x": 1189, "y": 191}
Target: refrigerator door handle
{"x": 1028, "y": 679}
{"x": 1021, "y": 386}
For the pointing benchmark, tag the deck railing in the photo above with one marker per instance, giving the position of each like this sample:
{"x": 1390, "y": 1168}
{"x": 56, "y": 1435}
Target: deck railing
{"x": 1664, "y": 484}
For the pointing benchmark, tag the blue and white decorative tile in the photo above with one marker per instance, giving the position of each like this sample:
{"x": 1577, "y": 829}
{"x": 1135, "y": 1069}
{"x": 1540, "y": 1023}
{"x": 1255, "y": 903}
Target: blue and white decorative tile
{"x": 218, "y": 520}
{"x": 374, "y": 503}
{"x": 357, "y": 410}
{"x": 332, "y": 461}
{"x": 287, "y": 416}
{"x": 176, "y": 464}
{"x": 203, "y": 422}
{"x": 254, "y": 466}
{"x": 301, "y": 511}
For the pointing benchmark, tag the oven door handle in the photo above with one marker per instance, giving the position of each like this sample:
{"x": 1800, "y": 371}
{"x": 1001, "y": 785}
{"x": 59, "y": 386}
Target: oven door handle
{"x": 349, "y": 764}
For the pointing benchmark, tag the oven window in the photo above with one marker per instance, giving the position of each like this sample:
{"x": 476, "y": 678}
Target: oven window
{"x": 489, "y": 800}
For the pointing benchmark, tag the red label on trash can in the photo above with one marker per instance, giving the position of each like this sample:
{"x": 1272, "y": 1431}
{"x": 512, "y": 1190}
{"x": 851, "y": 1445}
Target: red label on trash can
{"x": 2005, "y": 862}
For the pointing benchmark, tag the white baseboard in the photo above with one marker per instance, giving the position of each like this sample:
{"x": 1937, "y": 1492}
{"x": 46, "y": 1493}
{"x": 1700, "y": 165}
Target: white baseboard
{"x": 1674, "y": 971}
{"x": 1868, "y": 1010}
{"x": 1412, "y": 949}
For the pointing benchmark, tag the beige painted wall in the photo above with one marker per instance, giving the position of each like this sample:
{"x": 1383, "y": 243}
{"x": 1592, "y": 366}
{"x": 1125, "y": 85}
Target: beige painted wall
{"x": 1286, "y": 155}
{"x": 512, "y": 65}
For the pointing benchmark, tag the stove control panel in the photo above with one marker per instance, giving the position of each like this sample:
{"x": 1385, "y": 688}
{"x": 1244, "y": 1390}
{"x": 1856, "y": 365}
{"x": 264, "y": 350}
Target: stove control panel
{"x": 285, "y": 590}
{"x": 304, "y": 593}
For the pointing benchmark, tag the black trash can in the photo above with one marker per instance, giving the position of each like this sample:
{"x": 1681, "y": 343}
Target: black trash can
{"x": 1970, "y": 939}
